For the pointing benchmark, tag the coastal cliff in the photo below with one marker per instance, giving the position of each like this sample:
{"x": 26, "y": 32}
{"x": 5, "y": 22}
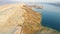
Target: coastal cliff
{"x": 21, "y": 19}
{"x": 18, "y": 18}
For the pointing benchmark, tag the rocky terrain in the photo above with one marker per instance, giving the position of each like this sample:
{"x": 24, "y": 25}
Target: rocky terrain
{"x": 21, "y": 19}
{"x": 13, "y": 17}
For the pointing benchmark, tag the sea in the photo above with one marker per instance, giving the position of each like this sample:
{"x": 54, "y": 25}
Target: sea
{"x": 50, "y": 15}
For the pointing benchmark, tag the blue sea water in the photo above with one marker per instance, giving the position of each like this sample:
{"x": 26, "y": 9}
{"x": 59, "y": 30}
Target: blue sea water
{"x": 50, "y": 16}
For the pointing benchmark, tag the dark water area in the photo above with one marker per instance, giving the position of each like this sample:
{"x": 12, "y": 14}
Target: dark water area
{"x": 50, "y": 16}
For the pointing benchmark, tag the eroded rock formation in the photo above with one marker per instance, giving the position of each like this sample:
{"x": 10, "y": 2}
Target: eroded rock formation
{"x": 21, "y": 19}
{"x": 18, "y": 19}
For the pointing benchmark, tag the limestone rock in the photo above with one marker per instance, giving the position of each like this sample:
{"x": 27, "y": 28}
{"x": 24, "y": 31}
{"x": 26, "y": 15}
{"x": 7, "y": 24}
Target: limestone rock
{"x": 18, "y": 19}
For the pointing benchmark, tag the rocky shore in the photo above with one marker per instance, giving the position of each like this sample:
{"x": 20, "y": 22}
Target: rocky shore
{"x": 21, "y": 19}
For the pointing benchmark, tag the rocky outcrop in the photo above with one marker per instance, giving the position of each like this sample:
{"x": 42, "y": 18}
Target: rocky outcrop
{"x": 21, "y": 19}
{"x": 18, "y": 19}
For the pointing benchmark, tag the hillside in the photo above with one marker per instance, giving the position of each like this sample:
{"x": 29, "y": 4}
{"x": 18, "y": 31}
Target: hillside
{"x": 21, "y": 19}
{"x": 15, "y": 16}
